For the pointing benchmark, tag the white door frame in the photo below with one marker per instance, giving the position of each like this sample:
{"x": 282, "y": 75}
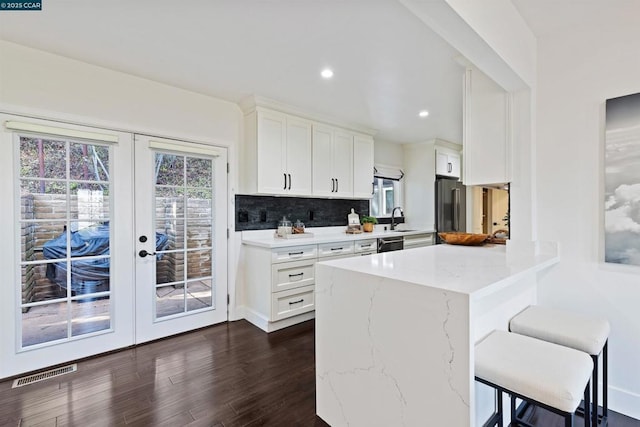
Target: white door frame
{"x": 147, "y": 327}
{"x": 13, "y": 360}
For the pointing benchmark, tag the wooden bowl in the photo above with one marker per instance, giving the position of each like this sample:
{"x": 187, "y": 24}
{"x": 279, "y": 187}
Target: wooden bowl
{"x": 467, "y": 239}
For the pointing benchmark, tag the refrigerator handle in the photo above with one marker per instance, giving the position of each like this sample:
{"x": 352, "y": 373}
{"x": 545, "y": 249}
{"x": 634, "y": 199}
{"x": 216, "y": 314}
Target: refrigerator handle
{"x": 456, "y": 209}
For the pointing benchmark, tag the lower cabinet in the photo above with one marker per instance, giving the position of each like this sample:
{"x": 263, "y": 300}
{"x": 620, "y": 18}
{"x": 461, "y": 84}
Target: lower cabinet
{"x": 292, "y": 302}
{"x": 418, "y": 240}
{"x": 280, "y": 282}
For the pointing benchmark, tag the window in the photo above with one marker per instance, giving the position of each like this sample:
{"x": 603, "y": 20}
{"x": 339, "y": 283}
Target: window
{"x": 386, "y": 195}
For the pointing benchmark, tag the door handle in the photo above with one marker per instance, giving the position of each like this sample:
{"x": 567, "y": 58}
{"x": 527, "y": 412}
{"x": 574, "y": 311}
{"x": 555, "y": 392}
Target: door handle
{"x": 285, "y": 181}
{"x": 456, "y": 209}
{"x": 333, "y": 185}
{"x": 144, "y": 253}
{"x": 289, "y": 175}
{"x": 337, "y": 185}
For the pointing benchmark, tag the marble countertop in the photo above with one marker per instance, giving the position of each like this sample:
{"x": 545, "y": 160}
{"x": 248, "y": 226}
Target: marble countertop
{"x": 472, "y": 270}
{"x": 266, "y": 239}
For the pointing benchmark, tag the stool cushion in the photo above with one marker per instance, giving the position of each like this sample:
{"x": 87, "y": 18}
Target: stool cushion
{"x": 584, "y": 333}
{"x": 542, "y": 371}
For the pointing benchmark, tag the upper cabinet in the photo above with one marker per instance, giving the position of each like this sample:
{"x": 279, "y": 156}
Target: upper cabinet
{"x": 332, "y": 162}
{"x": 278, "y": 150}
{"x": 287, "y": 154}
{"x": 362, "y": 166}
{"x": 447, "y": 164}
{"x": 486, "y": 131}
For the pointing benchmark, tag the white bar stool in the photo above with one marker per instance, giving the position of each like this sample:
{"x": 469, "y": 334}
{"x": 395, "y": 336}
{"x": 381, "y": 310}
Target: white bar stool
{"x": 534, "y": 371}
{"x": 585, "y": 333}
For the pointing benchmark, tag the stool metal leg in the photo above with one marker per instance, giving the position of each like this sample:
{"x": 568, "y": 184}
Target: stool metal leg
{"x": 500, "y": 417}
{"x": 605, "y": 384}
{"x": 587, "y": 406}
{"x": 594, "y": 400}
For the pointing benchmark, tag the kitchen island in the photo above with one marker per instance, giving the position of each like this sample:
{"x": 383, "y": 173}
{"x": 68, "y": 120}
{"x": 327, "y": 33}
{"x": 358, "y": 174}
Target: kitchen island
{"x": 395, "y": 331}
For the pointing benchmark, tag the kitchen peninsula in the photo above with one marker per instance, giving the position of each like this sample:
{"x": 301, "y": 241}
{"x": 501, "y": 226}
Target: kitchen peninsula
{"x": 395, "y": 331}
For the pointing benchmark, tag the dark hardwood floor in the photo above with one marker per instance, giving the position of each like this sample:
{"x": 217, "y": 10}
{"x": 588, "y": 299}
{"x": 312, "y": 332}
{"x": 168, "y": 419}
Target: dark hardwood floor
{"x": 226, "y": 375}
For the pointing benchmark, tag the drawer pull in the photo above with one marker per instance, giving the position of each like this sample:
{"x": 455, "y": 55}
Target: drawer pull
{"x": 296, "y": 302}
{"x": 366, "y": 246}
{"x": 296, "y": 275}
{"x": 295, "y": 253}
{"x": 337, "y": 249}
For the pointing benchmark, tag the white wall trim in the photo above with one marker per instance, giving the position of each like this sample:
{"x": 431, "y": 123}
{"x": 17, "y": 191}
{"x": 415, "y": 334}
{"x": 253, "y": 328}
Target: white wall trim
{"x": 251, "y": 103}
{"x": 624, "y": 402}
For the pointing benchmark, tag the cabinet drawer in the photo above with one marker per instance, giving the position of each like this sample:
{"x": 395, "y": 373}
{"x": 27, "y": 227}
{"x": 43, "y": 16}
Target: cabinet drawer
{"x": 333, "y": 249}
{"x": 366, "y": 245}
{"x": 292, "y": 302}
{"x": 294, "y": 253}
{"x": 292, "y": 274}
{"x": 367, "y": 253}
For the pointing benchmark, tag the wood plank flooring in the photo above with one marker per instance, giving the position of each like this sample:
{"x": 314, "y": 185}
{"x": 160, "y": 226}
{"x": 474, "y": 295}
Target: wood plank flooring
{"x": 227, "y": 375}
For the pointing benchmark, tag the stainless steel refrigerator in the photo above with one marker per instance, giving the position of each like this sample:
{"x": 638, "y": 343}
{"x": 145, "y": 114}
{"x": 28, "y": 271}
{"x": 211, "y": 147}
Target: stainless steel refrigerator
{"x": 451, "y": 206}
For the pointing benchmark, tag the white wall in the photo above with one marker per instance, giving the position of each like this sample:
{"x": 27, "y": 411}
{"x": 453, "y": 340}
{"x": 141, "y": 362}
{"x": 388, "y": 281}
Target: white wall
{"x": 40, "y": 84}
{"x": 388, "y": 153}
{"x": 577, "y": 71}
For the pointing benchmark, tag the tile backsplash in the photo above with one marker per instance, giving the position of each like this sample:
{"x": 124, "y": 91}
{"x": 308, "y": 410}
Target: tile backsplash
{"x": 264, "y": 212}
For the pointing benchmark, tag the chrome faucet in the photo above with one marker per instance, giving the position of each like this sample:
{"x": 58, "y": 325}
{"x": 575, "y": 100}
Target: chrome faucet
{"x": 393, "y": 218}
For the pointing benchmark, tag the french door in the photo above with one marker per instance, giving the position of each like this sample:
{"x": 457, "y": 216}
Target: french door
{"x": 86, "y": 204}
{"x": 181, "y": 279}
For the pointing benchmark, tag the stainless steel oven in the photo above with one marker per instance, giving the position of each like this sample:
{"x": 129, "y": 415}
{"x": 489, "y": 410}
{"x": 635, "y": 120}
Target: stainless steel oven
{"x": 388, "y": 244}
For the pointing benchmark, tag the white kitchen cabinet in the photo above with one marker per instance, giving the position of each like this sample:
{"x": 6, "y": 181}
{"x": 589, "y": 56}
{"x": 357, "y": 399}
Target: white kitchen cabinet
{"x": 332, "y": 154}
{"x": 447, "y": 164}
{"x": 486, "y": 131}
{"x": 279, "y": 285}
{"x": 418, "y": 240}
{"x": 365, "y": 247}
{"x": 277, "y": 154}
{"x": 362, "y": 167}
{"x": 334, "y": 249}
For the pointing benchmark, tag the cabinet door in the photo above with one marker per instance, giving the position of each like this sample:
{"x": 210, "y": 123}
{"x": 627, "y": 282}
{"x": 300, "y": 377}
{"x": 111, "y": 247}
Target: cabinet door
{"x": 486, "y": 131}
{"x": 442, "y": 164}
{"x": 323, "y": 180}
{"x": 342, "y": 161}
{"x": 454, "y": 165}
{"x": 362, "y": 166}
{"x": 272, "y": 153}
{"x": 298, "y": 166}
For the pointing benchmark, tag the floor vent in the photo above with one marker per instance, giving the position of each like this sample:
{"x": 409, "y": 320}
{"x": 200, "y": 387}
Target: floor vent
{"x": 41, "y": 376}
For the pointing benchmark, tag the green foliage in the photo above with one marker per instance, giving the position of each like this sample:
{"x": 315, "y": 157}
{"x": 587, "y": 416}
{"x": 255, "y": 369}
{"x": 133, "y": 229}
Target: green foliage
{"x": 371, "y": 219}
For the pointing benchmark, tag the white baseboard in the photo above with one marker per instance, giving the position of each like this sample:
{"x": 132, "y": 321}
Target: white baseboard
{"x": 624, "y": 402}
{"x": 263, "y": 323}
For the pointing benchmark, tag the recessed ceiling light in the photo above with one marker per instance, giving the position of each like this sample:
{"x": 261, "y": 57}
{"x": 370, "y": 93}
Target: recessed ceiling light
{"x": 327, "y": 73}
{"x": 423, "y": 113}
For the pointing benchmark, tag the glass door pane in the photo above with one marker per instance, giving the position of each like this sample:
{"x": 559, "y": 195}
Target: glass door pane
{"x": 65, "y": 250}
{"x": 183, "y": 196}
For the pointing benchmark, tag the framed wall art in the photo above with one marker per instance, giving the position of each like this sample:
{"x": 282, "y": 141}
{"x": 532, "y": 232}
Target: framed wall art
{"x": 622, "y": 180}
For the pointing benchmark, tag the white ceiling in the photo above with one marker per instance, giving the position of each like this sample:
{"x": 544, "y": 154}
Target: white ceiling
{"x": 388, "y": 65}
{"x": 548, "y": 17}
